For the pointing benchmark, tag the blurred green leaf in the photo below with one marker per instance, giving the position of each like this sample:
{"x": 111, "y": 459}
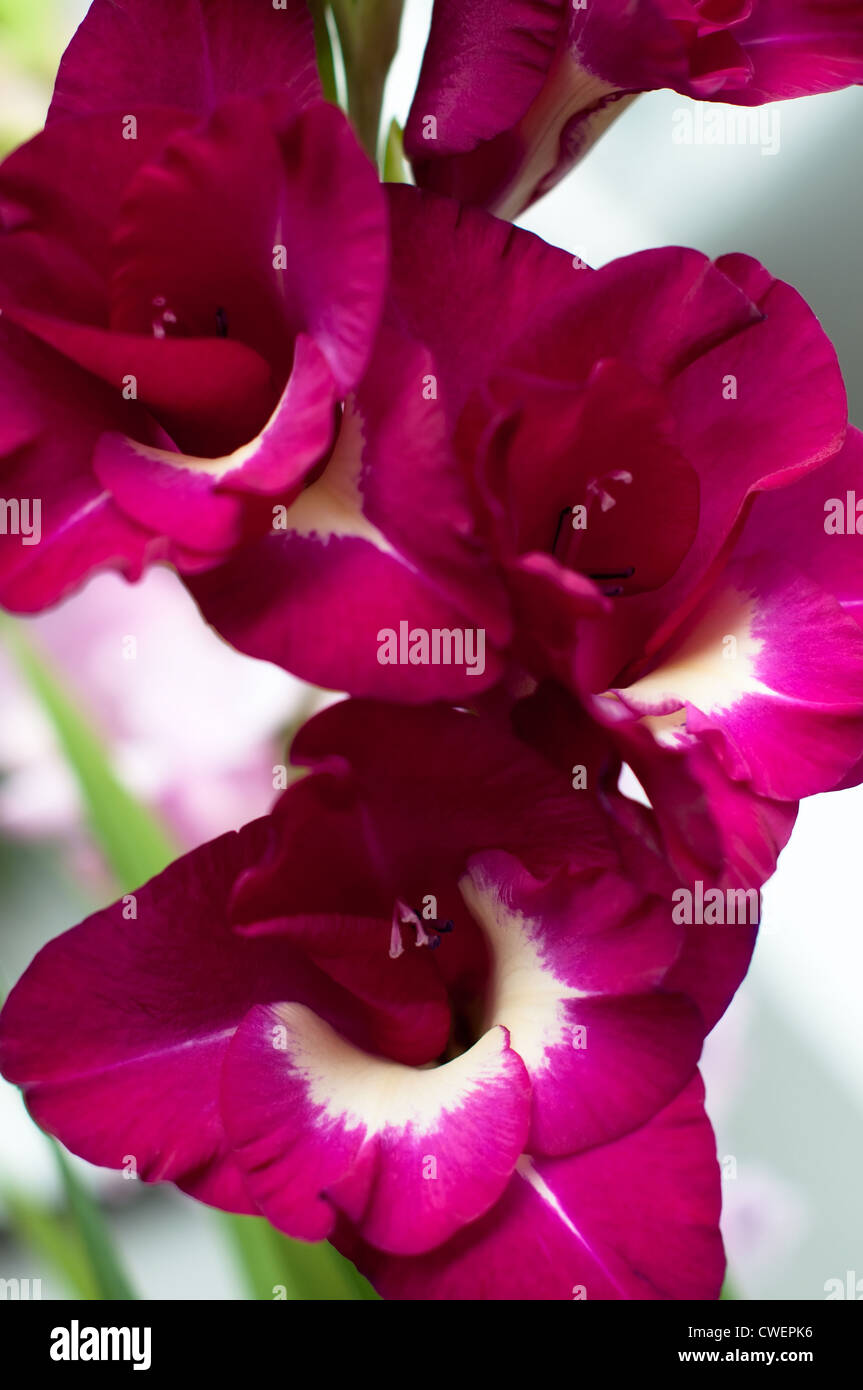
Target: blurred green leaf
{"x": 29, "y": 33}
{"x": 324, "y": 50}
{"x": 131, "y": 838}
{"x": 271, "y": 1263}
{"x": 110, "y": 1281}
{"x": 54, "y": 1238}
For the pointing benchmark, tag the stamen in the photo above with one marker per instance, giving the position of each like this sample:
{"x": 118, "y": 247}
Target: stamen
{"x": 221, "y": 323}
{"x": 567, "y": 511}
{"x": 404, "y": 916}
{"x": 613, "y": 574}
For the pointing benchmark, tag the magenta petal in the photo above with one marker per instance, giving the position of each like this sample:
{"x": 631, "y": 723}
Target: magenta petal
{"x": 60, "y": 196}
{"x": 577, "y": 963}
{"x": 548, "y": 602}
{"x": 358, "y": 555}
{"x": 769, "y": 673}
{"x": 798, "y": 47}
{"x": 776, "y": 50}
{"x": 713, "y": 828}
{"x": 775, "y": 427}
{"x": 334, "y": 225}
{"x": 131, "y": 1063}
{"x": 484, "y": 64}
{"x": 484, "y": 789}
{"x": 816, "y": 525}
{"x": 469, "y": 286}
{"x": 512, "y": 94}
{"x": 46, "y": 459}
{"x": 170, "y": 494}
{"x": 317, "y": 1126}
{"x": 740, "y": 430}
{"x": 301, "y": 243}
{"x": 202, "y": 503}
{"x": 633, "y": 43}
{"x": 659, "y": 310}
{"x": 194, "y": 52}
{"x": 145, "y": 997}
{"x": 211, "y": 389}
{"x": 274, "y": 597}
{"x": 636, "y": 1219}
{"x": 610, "y": 447}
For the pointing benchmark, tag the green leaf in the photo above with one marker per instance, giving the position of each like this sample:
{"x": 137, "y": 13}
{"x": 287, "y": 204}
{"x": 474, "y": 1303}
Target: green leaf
{"x": 394, "y": 155}
{"x": 131, "y": 838}
{"x": 324, "y": 51}
{"x": 110, "y": 1280}
{"x": 276, "y": 1267}
{"x": 54, "y": 1238}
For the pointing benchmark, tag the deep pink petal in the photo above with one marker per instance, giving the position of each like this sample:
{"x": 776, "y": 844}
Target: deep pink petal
{"x": 485, "y": 790}
{"x": 816, "y": 525}
{"x": 318, "y": 1126}
{"x": 60, "y": 197}
{"x": 210, "y": 392}
{"x": 610, "y": 448}
{"x": 799, "y": 47}
{"x": 204, "y": 503}
{"x": 45, "y": 461}
{"x": 636, "y": 1219}
{"x": 484, "y": 64}
{"x": 769, "y": 673}
{"x": 361, "y": 554}
{"x": 469, "y": 286}
{"x": 633, "y": 43}
{"x": 576, "y": 968}
{"x": 741, "y": 430}
{"x": 145, "y": 997}
{"x": 517, "y": 111}
{"x": 704, "y": 827}
{"x": 301, "y": 244}
{"x": 196, "y": 53}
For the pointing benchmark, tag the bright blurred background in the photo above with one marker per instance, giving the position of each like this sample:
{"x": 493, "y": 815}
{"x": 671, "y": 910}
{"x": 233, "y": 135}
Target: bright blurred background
{"x": 193, "y": 732}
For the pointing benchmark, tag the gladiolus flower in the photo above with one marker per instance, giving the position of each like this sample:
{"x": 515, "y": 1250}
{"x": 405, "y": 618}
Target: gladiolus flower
{"x": 576, "y": 486}
{"x": 189, "y": 284}
{"x": 504, "y": 1105}
{"x": 513, "y": 92}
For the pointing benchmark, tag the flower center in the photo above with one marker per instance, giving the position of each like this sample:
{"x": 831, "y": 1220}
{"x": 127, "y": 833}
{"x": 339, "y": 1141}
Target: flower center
{"x": 428, "y": 931}
{"x": 566, "y": 545}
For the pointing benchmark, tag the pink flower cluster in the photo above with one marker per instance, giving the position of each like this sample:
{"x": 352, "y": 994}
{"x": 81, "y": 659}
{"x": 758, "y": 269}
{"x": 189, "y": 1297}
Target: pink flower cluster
{"x": 445, "y": 1005}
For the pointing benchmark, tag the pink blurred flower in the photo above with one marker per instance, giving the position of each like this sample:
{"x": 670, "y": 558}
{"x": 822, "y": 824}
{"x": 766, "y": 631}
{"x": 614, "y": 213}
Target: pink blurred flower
{"x": 193, "y": 728}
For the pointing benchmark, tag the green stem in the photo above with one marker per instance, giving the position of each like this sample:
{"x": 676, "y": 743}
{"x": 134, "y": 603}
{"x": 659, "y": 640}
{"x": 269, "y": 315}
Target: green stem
{"x": 106, "y": 1270}
{"x": 133, "y": 841}
{"x": 369, "y": 36}
{"x": 276, "y": 1267}
{"x": 324, "y": 50}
